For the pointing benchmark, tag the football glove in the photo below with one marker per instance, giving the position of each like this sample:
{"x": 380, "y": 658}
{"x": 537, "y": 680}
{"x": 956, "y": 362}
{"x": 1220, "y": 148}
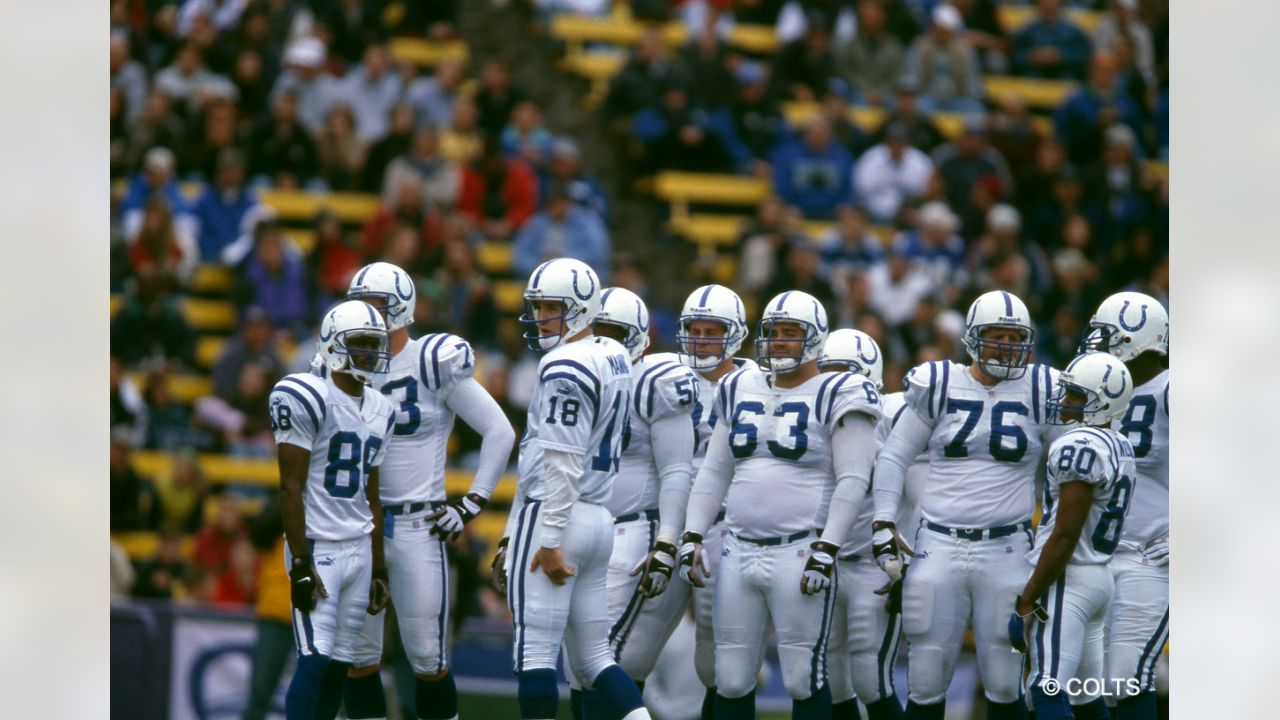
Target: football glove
{"x": 450, "y": 519}
{"x": 498, "y": 568}
{"x": 379, "y": 592}
{"x": 1018, "y": 636}
{"x": 887, "y": 547}
{"x": 819, "y": 567}
{"x": 1157, "y": 552}
{"x": 693, "y": 560}
{"x": 657, "y": 567}
{"x": 305, "y": 586}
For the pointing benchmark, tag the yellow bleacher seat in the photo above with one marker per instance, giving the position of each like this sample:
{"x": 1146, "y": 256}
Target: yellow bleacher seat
{"x": 208, "y": 348}
{"x": 117, "y": 302}
{"x": 1158, "y": 168}
{"x": 709, "y": 230}
{"x": 426, "y": 53}
{"x": 305, "y": 238}
{"x": 213, "y": 279}
{"x": 577, "y": 30}
{"x": 297, "y": 205}
{"x": 209, "y": 315}
{"x": 760, "y": 39}
{"x": 508, "y": 296}
{"x": 869, "y": 119}
{"x": 682, "y": 188}
{"x": 185, "y": 389}
{"x": 597, "y": 66}
{"x": 494, "y": 258}
{"x": 1014, "y": 17}
{"x": 142, "y": 545}
{"x": 1039, "y": 94}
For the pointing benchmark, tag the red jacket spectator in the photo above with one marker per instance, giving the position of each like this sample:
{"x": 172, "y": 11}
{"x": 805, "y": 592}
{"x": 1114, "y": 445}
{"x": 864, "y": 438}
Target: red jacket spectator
{"x": 498, "y": 193}
{"x": 215, "y": 541}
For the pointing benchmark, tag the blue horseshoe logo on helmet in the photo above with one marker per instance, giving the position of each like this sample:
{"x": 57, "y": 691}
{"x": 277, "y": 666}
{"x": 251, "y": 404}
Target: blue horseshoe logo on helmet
{"x": 868, "y": 360}
{"x": 817, "y": 317}
{"x": 1106, "y": 390}
{"x": 590, "y": 292}
{"x": 1142, "y": 321}
{"x": 323, "y": 337}
{"x": 403, "y": 295}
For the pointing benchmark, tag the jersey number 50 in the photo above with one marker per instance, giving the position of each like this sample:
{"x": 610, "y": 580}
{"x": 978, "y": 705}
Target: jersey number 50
{"x": 345, "y": 457}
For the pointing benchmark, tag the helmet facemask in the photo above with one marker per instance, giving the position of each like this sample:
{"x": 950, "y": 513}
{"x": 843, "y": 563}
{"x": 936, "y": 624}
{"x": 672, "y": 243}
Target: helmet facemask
{"x": 706, "y": 352}
{"x": 1009, "y": 359}
{"x": 364, "y": 359}
{"x": 810, "y": 346}
{"x": 532, "y": 324}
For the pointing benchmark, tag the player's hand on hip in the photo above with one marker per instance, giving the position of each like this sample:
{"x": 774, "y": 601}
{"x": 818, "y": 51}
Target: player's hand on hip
{"x": 819, "y": 568}
{"x": 305, "y": 586}
{"x": 693, "y": 560}
{"x": 1019, "y": 628}
{"x": 888, "y": 548}
{"x": 498, "y": 568}
{"x": 379, "y": 591}
{"x": 551, "y": 560}
{"x": 450, "y": 519}
{"x": 1156, "y": 551}
{"x": 657, "y": 567}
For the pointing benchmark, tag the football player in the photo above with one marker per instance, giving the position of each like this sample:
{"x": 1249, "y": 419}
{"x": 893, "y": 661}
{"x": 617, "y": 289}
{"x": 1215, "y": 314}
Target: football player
{"x": 984, "y": 427}
{"x": 1135, "y": 328}
{"x": 560, "y": 534}
{"x": 791, "y": 463}
{"x": 429, "y": 380}
{"x": 330, "y": 437}
{"x": 1062, "y": 610}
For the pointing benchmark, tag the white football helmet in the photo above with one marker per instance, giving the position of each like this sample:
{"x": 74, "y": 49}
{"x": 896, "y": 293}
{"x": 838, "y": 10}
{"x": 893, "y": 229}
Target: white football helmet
{"x": 999, "y": 308}
{"x": 625, "y": 309}
{"x": 390, "y": 284}
{"x": 1128, "y": 324}
{"x": 849, "y": 350}
{"x": 1102, "y": 380}
{"x": 793, "y": 306}
{"x": 715, "y": 303}
{"x": 345, "y": 322}
{"x": 573, "y": 284}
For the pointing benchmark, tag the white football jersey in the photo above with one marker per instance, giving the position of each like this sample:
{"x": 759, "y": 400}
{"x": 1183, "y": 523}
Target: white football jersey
{"x": 580, "y": 405}
{"x": 347, "y": 439}
{"x": 892, "y": 406}
{"x": 705, "y": 415}
{"x": 664, "y": 387}
{"x": 986, "y": 442}
{"x": 1146, "y": 425}
{"x": 418, "y": 381}
{"x": 1103, "y": 459}
{"x": 781, "y": 443}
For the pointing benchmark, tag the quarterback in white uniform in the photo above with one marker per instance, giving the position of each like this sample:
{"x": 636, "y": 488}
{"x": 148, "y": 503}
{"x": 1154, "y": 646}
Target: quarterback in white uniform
{"x": 984, "y": 427}
{"x": 560, "y": 533}
{"x": 428, "y": 380}
{"x": 330, "y": 437}
{"x": 1060, "y": 615}
{"x": 791, "y": 462}
{"x": 1135, "y": 328}
{"x": 866, "y": 628}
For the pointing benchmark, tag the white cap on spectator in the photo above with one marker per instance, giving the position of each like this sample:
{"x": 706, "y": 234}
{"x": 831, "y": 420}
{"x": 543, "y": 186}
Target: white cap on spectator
{"x": 1120, "y": 134}
{"x": 948, "y": 18}
{"x": 937, "y": 214}
{"x": 565, "y": 147}
{"x": 1128, "y": 4}
{"x": 160, "y": 159}
{"x": 306, "y": 52}
{"x": 1004, "y": 217}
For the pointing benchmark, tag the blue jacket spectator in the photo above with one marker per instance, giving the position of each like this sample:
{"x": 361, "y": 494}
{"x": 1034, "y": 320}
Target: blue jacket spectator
{"x": 680, "y": 136}
{"x": 1082, "y": 119}
{"x": 276, "y": 280}
{"x": 221, "y": 208}
{"x": 1051, "y": 47}
{"x": 562, "y": 230}
{"x": 813, "y": 173}
{"x": 934, "y": 247}
{"x": 157, "y": 177}
{"x": 566, "y": 169}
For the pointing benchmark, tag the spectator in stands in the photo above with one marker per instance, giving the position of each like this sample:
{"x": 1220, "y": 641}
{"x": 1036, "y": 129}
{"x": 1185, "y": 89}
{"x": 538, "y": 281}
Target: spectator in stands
{"x": 1051, "y": 46}
{"x": 235, "y": 586}
{"x": 169, "y": 424}
{"x": 566, "y": 170}
{"x": 440, "y": 180}
{"x": 498, "y": 193}
{"x": 1035, "y": 179}
{"x": 162, "y": 246}
{"x": 802, "y": 271}
{"x": 275, "y": 279}
{"x": 334, "y": 259}
{"x": 159, "y": 126}
{"x": 408, "y": 207}
{"x": 218, "y": 132}
{"x": 371, "y": 89}
{"x": 162, "y": 576}
{"x": 128, "y": 75}
{"x": 224, "y": 14}
{"x": 180, "y": 494}
{"x": 191, "y": 85}
{"x": 764, "y": 242}
{"x": 870, "y": 63}
{"x": 935, "y": 248}
{"x": 944, "y": 66}
{"x": 284, "y": 155}
{"x": 985, "y": 33}
{"x": 640, "y": 82}
{"x": 1081, "y": 120}
{"x": 1118, "y": 179}
{"x": 462, "y": 141}
{"x": 804, "y": 68}
{"x": 349, "y": 25}
{"x": 1066, "y": 198}
{"x": 849, "y": 246}
{"x": 242, "y": 422}
{"x": 964, "y": 162}
{"x": 215, "y": 540}
{"x": 891, "y": 173}
{"x": 678, "y": 135}
{"x": 215, "y": 47}
{"x": 797, "y": 16}
{"x": 404, "y": 249}
{"x": 133, "y": 500}
{"x": 562, "y": 230}
{"x": 396, "y": 142}
{"x": 1000, "y": 260}
{"x": 123, "y": 576}
{"x": 156, "y": 180}
{"x": 813, "y": 173}
{"x": 433, "y": 96}
{"x": 497, "y": 97}
{"x": 896, "y": 286}
{"x": 465, "y": 306}
{"x": 253, "y": 87}
{"x": 525, "y": 136}
{"x": 922, "y": 133}
{"x": 706, "y": 62}
{"x": 150, "y": 326}
{"x": 306, "y": 78}
{"x": 128, "y": 408}
{"x": 1124, "y": 23}
{"x": 222, "y": 206}
{"x": 340, "y": 151}
{"x": 253, "y": 344}
{"x": 119, "y": 135}
{"x": 756, "y": 116}
{"x": 1011, "y": 132}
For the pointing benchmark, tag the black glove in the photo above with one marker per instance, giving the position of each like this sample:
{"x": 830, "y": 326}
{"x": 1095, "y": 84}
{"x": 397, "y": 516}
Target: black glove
{"x": 305, "y": 587}
{"x": 379, "y": 592}
{"x": 819, "y": 567}
{"x": 497, "y": 568}
{"x": 657, "y": 567}
{"x": 693, "y": 560}
{"x": 1017, "y": 623}
{"x": 450, "y": 519}
{"x": 887, "y": 547}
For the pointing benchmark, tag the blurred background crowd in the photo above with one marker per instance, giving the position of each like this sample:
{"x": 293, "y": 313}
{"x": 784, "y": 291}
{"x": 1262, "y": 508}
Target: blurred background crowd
{"x": 895, "y": 158}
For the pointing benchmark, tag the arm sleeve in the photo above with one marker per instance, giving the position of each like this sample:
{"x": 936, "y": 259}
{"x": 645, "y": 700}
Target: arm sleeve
{"x": 562, "y": 471}
{"x": 712, "y": 483}
{"x": 853, "y": 453}
{"x": 909, "y": 438}
{"x": 672, "y": 441}
{"x": 479, "y": 410}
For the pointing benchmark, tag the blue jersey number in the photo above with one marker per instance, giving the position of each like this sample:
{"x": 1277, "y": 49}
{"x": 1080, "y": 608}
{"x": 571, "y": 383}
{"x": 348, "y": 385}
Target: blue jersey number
{"x": 610, "y": 451}
{"x": 698, "y": 409}
{"x": 1137, "y": 423}
{"x": 345, "y": 457}
{"x": 746, "y": 429}
{"x": 1107, "y": 535}
{"x": 412, "y": 414}
{"x": 568, "y": 411}
{"x": 1001, "y": 429}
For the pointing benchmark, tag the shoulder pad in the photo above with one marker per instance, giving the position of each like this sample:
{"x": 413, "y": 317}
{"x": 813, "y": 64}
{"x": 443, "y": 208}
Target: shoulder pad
{"x": 573, "y": 373}
{"x": 305, "y": 391}
{"x": 846, "y": 392}
{"x": 664, "y": 388}
{"x": 727, "y": 388}
{"x": 444, "y": 360}
{"x": 1084, "y": 454}
{"x": 1044, "y": 382}
{"x": 925, "y": 388}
